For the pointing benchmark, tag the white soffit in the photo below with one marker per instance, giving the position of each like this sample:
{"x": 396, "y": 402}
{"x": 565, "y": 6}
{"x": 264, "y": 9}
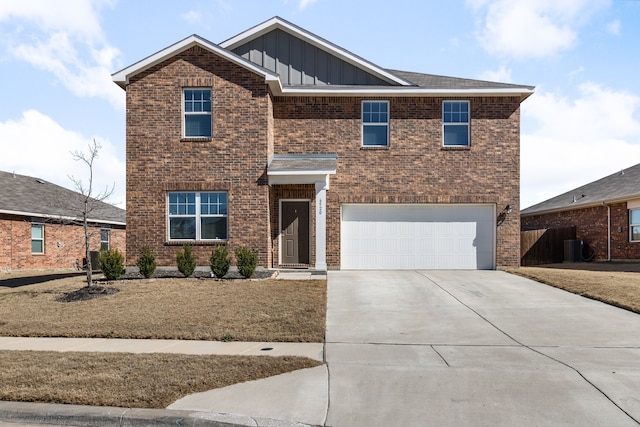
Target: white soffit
{"x": 633, "y": 204}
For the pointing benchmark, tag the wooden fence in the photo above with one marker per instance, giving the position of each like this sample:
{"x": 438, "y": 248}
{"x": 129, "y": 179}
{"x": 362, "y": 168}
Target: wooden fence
{"x": 544, "y": 246}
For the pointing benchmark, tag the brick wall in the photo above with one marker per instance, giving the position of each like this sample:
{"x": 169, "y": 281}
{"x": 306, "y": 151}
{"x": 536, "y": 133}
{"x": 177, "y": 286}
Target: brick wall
{"x": 64, "y": 243}
{"x": 249, "y": 125}
{"x": 233, "y": 160}
{"x": 415, "y": 168}
{"x": 591, "y": 227}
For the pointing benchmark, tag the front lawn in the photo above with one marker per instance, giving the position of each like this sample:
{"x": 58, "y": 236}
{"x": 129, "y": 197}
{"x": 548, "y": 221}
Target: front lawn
{"x": 198, "y": 309}
{"x": 619, "y": 288}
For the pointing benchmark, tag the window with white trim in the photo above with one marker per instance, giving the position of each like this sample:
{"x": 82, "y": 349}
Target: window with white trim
{"x": 197, "y": 120}
{"x": 197, "y": 215}
{"x": 104, "y": 239}
{"x": 455, "y": 123}
{"x": 634, "y": 224}
{"x": 375, "y": 123}
{"x": 37, "y": 238}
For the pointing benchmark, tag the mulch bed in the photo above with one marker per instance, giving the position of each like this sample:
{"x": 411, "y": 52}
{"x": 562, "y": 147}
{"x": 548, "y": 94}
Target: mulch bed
{"x": 87, "y": 293}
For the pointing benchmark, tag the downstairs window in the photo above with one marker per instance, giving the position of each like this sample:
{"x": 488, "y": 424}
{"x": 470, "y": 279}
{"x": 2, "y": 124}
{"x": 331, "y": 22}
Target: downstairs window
{"x": 198, "y": 216}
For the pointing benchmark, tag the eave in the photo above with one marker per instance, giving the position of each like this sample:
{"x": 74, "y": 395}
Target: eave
{"x": 579, "y": 206}
{"x": 396, "y": 91}
{"x": 61, "y": 217}
{"x": 122, "y": 77}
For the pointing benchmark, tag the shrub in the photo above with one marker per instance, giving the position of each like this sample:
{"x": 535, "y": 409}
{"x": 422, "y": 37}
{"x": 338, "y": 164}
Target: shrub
{"x": 111, "y": 263}
{"x": 220, "y": 261}
{"x": 186, "y": 261}
{"x": 247, "y": 261}
{"x": 146, "y": 262}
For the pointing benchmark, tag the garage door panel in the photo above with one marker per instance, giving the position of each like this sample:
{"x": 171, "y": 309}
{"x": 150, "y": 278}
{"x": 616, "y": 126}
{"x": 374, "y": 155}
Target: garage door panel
{"x": 417, "y": 237}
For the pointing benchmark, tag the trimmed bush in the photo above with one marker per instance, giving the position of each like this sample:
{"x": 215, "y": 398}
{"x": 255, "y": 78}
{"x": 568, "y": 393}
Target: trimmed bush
{"x": 247, "y": 261}
{"x": 220, "y": 261}
{"x": 146, "y": 262}
{"x": 186, "y": 261}
{"x": 111, "y": 263}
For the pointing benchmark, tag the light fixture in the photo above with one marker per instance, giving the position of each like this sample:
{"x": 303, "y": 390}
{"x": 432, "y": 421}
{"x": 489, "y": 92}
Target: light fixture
{"x": 508, "y": 209}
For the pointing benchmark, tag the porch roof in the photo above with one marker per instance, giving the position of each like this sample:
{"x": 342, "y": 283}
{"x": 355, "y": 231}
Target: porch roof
{"x": 301, "y": 168}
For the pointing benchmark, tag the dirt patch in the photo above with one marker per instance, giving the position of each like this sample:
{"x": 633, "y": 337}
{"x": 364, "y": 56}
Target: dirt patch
{"x": 87, "y": 293}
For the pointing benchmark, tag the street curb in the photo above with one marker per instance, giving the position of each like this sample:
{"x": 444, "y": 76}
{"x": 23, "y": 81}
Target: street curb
{"x": 108, "y": 416}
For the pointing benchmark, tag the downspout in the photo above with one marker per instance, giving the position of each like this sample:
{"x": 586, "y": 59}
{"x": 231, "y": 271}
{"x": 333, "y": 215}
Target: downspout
{"x": 608, "y": 231}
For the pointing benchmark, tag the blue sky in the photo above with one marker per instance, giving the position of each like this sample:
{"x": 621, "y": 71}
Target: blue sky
{"x": 583, "y": 122}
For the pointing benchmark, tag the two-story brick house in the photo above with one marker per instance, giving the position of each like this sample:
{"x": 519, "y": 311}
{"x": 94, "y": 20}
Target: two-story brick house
{"x": 281, "y": 141}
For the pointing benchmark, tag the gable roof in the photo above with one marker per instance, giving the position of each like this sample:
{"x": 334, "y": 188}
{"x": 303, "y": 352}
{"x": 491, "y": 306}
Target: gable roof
{"x": 121, "y": 78}
{"x": 618, "y": 187}
{"x": 398, "y": 83}
{"x": 34, "y": 197}
{"x": 277, "y": 23}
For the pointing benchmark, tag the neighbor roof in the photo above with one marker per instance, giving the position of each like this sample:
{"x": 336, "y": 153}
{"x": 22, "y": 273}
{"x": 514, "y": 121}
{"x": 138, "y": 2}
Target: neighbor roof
{"x": 34, "y": 197}
{"x": 402, "y": 83}
{"x": 618, "y": 187}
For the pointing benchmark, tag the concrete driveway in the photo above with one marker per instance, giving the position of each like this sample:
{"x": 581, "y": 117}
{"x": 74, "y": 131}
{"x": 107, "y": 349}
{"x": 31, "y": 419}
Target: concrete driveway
{"x": 453, "y": 348}
{"x": 476, "y": 348}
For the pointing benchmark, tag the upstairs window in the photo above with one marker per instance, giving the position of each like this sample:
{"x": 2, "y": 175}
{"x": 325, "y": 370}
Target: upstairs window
{"x": 634, "y": 224}
{"x": 37, "y": 238}
{"x": 197, "y": 113}
{"x": 375, "y": 123}
{"x": 198, "y": 216}
{"x": 455, "y": 123}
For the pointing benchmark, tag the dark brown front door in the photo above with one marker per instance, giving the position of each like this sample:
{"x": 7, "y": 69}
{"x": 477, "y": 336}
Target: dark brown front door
{"x": 295, "y": 233}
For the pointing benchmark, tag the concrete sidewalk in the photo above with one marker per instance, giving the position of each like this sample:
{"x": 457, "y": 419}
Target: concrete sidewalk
{"x": 110, "y": 345}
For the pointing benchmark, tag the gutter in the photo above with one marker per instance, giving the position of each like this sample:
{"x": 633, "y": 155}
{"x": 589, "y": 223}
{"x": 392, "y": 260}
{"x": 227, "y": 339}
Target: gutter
{"x": 62, "y": 217}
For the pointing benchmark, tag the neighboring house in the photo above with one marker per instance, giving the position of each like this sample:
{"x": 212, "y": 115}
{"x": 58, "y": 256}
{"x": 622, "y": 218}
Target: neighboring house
{"x": 605, "y": 213}
{"x": 41, "y": 225}
{"x": 281, "y": 141}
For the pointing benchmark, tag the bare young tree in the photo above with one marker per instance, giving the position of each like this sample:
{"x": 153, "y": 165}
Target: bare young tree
{"x": 89, "y": 200}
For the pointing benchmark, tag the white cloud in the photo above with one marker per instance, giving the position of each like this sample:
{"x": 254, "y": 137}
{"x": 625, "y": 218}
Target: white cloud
{"x": 64, "y": 38}
{"x": 573, "y": 73}
{"x": 577, "y": 141}
{"x": 72, "y": 16}
{"x": 36, "y": 145}
{"x": 192, "y": 17}
{"x": 502, "y": 74}
{"x": 531, "y": 29}
{"x": 614, "y": 27}
{"x": 304, "y": 3}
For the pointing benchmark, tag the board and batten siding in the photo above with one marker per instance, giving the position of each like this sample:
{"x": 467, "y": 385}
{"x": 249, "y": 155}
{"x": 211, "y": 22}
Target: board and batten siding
{"x": 298, "y": 62}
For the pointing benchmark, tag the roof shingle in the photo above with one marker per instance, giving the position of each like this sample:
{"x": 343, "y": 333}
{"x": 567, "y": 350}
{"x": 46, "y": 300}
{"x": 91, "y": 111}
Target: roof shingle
{"x": 26, "y": 195}
{"x": 620, "y": 186}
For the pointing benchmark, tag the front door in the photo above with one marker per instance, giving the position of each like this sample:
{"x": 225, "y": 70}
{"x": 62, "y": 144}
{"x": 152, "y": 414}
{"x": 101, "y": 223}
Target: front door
{"x": 295, "y": 232}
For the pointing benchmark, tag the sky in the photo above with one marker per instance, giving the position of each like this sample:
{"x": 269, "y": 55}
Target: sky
{"x": 583, "y": 57}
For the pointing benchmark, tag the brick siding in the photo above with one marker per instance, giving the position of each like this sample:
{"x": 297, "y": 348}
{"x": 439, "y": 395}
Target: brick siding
{"x": 592, "y": 228}
{"x": 249, "y": 126}
{"x": 416, "y": 168}
{"x": 233, "y": 160}
{"x": 64, "y": 243}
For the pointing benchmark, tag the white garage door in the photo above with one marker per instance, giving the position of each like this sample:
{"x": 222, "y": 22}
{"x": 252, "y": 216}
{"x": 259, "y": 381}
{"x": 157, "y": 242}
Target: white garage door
{"x": 397, "y": 237}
